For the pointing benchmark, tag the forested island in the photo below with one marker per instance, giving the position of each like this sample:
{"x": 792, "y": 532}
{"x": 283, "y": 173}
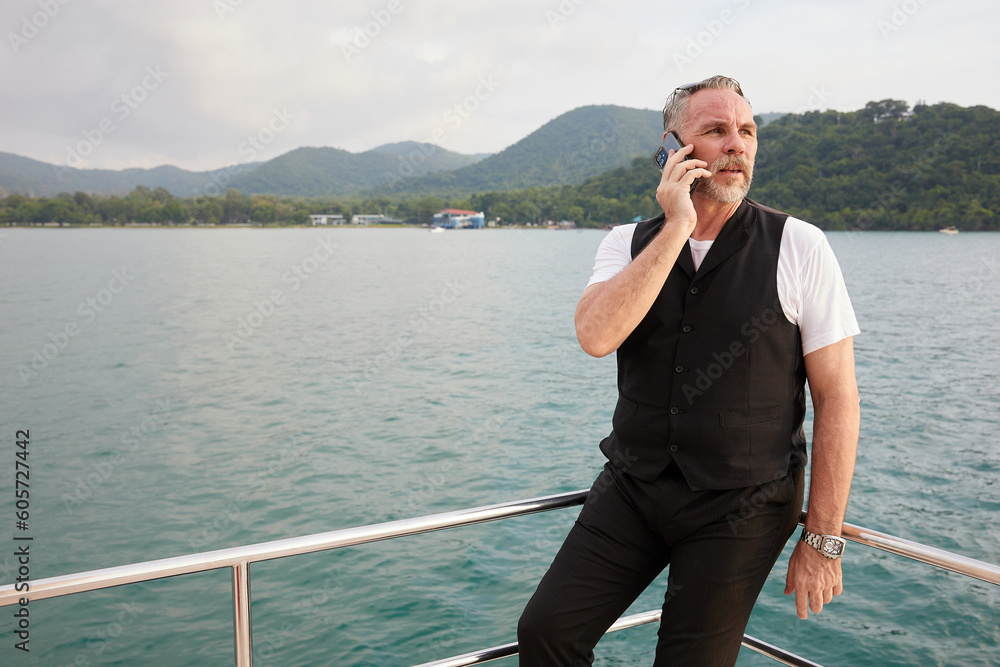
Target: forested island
{"x": 884, "y": 167}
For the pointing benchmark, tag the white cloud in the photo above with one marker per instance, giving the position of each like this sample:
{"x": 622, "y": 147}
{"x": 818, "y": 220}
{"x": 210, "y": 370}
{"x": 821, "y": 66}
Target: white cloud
{"x": 228, "y": 74}
{"x": 434, "y": 52}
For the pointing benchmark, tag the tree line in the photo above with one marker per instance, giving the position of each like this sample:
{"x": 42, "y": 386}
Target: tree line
{"x": 159, "y": 206}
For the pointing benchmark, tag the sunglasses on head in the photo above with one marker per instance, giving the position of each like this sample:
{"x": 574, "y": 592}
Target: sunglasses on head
{"x": 692, "y": 88}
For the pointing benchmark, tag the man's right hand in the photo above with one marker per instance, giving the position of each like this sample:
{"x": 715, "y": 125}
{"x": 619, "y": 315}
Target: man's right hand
{"x": 609, "y": 311}
{"x": 673, "y": 194}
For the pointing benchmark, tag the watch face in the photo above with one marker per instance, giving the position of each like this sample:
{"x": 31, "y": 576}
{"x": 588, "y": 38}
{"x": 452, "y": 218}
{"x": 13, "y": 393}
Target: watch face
{"x": 833, "y": 547}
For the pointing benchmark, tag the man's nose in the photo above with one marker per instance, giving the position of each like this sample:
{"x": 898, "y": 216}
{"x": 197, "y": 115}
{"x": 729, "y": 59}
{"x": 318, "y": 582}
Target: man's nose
{"x": 735, "y": 143}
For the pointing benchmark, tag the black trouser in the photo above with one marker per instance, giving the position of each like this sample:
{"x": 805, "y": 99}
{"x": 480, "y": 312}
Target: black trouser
{"x": 720, "y": 546}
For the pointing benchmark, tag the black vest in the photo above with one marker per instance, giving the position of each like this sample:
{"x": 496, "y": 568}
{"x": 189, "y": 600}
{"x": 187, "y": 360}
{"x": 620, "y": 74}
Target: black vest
{"x": 713, "y": 377}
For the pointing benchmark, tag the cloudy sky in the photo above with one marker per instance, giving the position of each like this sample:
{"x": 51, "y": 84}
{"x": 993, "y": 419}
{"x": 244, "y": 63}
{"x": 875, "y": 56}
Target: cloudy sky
{"x": 202, "y": 83}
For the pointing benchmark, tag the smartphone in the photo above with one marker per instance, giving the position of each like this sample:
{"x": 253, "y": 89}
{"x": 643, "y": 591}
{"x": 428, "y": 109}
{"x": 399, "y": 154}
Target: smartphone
{"x": 671, "y": 142}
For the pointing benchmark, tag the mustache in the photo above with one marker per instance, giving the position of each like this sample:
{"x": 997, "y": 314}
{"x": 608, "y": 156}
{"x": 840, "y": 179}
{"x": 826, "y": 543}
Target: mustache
{"x": 732, "y": 162}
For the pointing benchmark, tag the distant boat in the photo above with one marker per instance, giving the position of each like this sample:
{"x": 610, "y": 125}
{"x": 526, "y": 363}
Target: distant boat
{"x": 436, "y": 230}
{"x": 949, "y": 230}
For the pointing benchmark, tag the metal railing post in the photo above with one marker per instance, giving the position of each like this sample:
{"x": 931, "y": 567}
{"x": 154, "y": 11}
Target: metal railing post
{"x": 241, "y": 614}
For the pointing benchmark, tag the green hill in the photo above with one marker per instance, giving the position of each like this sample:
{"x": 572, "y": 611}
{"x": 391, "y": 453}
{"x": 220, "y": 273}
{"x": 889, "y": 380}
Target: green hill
{"x": 447, "y": 159}
{"x": 567, "y": 150}
{"x": 34, "y": 178}
{"x": 320, "y": 172}
{"x": 884, "y": 167}
{"x": 881, "y": 167}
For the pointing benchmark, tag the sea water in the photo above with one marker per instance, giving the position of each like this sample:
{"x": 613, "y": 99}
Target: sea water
{"x": 194, "y": 389}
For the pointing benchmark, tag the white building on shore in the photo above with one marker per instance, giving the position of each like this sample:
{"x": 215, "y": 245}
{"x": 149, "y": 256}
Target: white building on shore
{"x": 323, "y": 219}
{"x": 373, "y": 219}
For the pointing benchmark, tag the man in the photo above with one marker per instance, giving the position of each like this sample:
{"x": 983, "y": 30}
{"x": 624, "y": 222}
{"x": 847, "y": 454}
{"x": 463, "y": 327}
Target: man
{"x": 719, "y": 309}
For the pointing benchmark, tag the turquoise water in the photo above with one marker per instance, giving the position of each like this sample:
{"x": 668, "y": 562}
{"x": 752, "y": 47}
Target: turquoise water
{"x": 236, "y": 386}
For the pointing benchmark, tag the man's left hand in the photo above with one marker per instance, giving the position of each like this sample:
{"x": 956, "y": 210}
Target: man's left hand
{"x": 814, "y": 579}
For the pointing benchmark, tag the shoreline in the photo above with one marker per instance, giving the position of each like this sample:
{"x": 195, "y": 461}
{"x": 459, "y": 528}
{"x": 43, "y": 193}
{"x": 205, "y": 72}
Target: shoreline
{"x": 50, "y": 225}
{"x": 40, "y": 225}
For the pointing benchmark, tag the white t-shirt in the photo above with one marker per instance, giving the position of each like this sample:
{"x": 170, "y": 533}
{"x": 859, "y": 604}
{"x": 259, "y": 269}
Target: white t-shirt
{"x": 810, "y": 284}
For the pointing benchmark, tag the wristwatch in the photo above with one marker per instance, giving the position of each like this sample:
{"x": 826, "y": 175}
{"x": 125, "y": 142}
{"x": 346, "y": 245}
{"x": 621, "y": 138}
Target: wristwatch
{"x": 830, "y": 546}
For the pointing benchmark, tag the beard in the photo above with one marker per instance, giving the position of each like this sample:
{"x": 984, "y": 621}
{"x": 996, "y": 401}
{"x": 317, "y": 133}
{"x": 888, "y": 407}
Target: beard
{"x": 733, "y": 192}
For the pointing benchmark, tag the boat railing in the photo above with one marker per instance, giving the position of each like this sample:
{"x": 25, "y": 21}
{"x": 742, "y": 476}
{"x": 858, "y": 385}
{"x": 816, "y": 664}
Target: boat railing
{"x": 238, "y": 559}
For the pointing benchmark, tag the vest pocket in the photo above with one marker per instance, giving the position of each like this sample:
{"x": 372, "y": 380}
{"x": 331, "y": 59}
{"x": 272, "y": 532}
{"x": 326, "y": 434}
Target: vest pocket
{"x": 748, "y": 418}
{"x": 640, "y": 426}
{"x": 624, "y": 410}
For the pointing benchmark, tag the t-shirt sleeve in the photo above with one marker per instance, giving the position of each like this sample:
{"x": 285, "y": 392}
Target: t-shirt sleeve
{"x": 613, "y": 255}
{"x": 813, "y": 293}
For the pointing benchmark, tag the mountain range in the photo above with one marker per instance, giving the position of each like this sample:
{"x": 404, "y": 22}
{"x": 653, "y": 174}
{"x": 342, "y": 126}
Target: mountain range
{"x": 569, "y": 149}
{"x": 886, "y": 166}
{"x": 303, "y": 171}
{"x": 21, "y": 175}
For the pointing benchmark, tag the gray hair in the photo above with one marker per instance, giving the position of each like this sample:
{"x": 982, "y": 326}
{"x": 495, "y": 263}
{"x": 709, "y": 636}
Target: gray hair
{"x": 675, "y": 110}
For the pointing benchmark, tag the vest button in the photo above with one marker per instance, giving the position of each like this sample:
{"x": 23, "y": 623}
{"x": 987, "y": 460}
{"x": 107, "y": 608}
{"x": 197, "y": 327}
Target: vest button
{"x": 673, "y": 448}
{"x": 679, "y": 368}
{"x": 694, "y": 290}
{"x": 686, "y": 328}
{"x": 674, "y": 411}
